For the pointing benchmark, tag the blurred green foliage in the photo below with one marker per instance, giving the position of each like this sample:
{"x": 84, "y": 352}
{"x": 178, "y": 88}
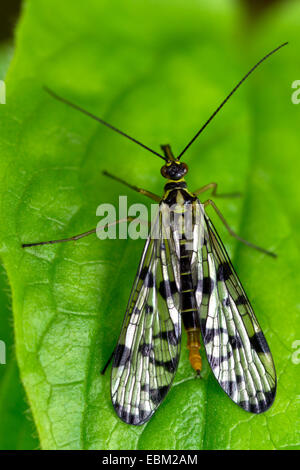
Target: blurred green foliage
{"x": 156, "y": 70}
{"x": 8, "y": 19}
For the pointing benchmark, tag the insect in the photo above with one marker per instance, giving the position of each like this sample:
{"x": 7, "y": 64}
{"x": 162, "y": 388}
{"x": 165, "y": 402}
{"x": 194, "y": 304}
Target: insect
{"x": 185, "y": 276}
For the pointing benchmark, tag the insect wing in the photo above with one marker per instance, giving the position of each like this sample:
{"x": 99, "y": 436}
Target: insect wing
{"x": 235, "y": 346}
{"x": 147, "y": 353}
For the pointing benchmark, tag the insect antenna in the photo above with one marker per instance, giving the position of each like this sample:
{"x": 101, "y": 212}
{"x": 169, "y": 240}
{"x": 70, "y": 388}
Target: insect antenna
{"x": 229, "y": 96}
{"x": 78, "y": 108}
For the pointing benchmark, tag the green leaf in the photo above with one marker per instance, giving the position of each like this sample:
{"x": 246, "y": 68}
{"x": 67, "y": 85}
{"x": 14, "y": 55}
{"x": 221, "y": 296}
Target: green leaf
{"x": 157, "y": 71}
{"x": 16, "y": 427}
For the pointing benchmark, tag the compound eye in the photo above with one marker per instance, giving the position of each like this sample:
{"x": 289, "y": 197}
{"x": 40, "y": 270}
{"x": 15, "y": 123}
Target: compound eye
{"x": 164, "y": 171}
{"x": 185, "y": 168}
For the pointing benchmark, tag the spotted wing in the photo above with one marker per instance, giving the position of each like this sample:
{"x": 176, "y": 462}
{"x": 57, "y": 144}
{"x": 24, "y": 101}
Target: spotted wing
{"x": 147, "y": 353}
{"x": 235, "y": 346}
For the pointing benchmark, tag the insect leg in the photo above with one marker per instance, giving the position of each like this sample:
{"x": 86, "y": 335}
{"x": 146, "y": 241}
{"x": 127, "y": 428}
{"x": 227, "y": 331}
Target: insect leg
{"x": 135, "y": 188}
{"x": 214, "y": 186}
{"x": 102, "y": 372}
{"x": 232, "y": 233}
{"x": 76, "y": 237}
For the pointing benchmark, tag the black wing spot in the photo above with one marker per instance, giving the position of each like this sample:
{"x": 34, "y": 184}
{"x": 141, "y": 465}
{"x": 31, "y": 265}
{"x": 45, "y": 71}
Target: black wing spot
{"x": 147, "y": 277}
{"x": 167, "y": 289}
{"x": 207, "y": 286}
{"x": 229, "y": 387}
{"x": 262, "y": 405}
{"x": 216, "y": 361}
{"x": 170, "y": 366}
{"x": 239, "y": 379}
{"x": 226, "y": 302}
{"x": 245, "y": 404}
{"x": 144, "y": 416}
{"x": 145, "y": 349}
{"x": 122, "y": 355}
{"x": 169, "y": 336}
{"x": 210, "y": 333}
{"x": 148, "y": 309}
{"x": 259, "y": 343}
{"x": 241, "y": 300}
{"x": 158, "y": 394}
{"x": 224, "y": 272}
{"x": 254, "y": 408}
{"x": 213, "y": 361}
{"x": 129, "y": 418}
{"x": 269, "y": 396}
{"x": 235, "y": 342}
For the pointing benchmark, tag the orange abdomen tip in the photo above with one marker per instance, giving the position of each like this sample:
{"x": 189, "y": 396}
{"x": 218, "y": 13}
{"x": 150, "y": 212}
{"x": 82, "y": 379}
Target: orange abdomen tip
{"x": 195, "y": 358}
{"x": 193, "y": 344}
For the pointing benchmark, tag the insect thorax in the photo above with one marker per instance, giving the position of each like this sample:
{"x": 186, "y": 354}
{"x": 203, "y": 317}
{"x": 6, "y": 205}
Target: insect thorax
{"x": 176, "y": 193}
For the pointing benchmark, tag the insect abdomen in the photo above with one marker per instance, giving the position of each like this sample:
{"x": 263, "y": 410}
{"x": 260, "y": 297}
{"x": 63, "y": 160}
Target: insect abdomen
{"x": 189, "y": 311}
